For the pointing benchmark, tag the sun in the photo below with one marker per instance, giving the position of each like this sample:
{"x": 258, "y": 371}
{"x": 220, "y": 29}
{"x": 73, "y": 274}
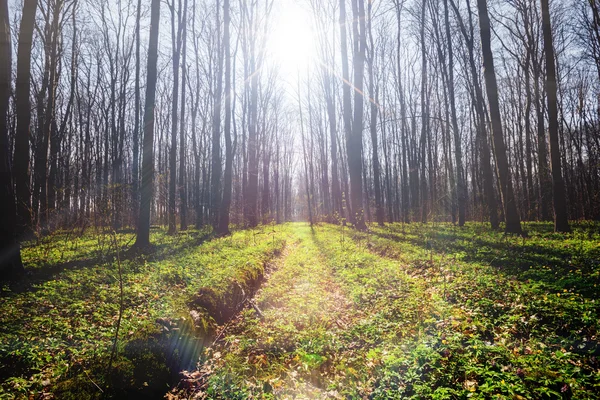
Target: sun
{"x": 292, "y": 41}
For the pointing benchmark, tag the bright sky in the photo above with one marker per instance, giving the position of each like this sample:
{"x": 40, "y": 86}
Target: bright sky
{"x": 292, "y": 44}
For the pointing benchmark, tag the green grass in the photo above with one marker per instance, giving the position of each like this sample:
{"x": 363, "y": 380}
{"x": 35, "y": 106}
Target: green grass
{"x": 419, "y": 311}
{"x": 58, "y": 325}
{"x": 403, "y": 311}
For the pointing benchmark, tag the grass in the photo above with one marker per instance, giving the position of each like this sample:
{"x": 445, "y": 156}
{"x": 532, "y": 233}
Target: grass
{"x": 418, "y": 311}
{"x": 57, "y": 327}
{"x": 403, "y": 311}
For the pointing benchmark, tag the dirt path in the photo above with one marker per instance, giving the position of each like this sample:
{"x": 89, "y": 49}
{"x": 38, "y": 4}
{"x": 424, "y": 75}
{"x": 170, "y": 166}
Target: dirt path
{"x": 279, "y": 342}
{"x": 318, "y": 328}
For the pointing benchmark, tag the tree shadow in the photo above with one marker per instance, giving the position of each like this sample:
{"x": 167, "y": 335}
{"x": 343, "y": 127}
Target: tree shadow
{"x": 521, "y": 259}
{"x": 106, "y": 256}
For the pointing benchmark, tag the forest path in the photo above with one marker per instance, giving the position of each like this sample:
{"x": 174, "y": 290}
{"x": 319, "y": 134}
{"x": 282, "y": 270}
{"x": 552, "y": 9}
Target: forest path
{"x": 318, "y": 321}
{"x": 301, "y": 307}
{"x": 402, "y": 312}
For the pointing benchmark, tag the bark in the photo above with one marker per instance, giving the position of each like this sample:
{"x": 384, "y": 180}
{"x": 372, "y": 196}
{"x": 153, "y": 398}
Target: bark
{"x": 10, "y": 252}
{"x": 136, "y": 129}
{"x": 374, "y": 102}
{"x": 182, "y": 166}
{"x": 23, "y": 110}
{"x": 513, "y": 222}
{"x": 424, "y": 116}
{"x": 143, "y": 233}
{"x": 215, "y": 176}
{"x": 347, "y": 100}
{"x": 460, "y": 179}
{"x": 482, "y": 137}
{"x": 355, "y": 145}
{"x": 228, "y": 174}
{"x": 176, "y": 42}
{"x": 561, "y": 222}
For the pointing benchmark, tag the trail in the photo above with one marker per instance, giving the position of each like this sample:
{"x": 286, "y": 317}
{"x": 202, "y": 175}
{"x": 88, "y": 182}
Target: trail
{"x": 301, "y": 303}
{"x": 361, "y": 315}
{"x": 326, "y": 304}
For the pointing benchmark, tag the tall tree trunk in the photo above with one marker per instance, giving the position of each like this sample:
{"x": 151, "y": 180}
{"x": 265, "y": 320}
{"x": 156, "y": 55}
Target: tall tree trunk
{"x": 176, "y": 42}
{"x": 215, "y": 176}
{"x": 561, "y": 222}
{"x": 228, "y": 178}
{"x": 136, "y": 129}
{"x": 355, "y": 148}
{"x": 182, "y": 188}
{"x": 10, "y": 252}
{"x": 347, "y": 100}
{"x": 482, "y": 137}
{"x": 332, "y": 119}
{"x": 374, "y": 102}
{"x": 143, "y": 233}
{"x": 251, "y": 212}
{"x": 460, "y": 179}
{"x": 23, "y": 109}
{"x": 49, "y": 128}
{"x": 513, "y": 222}
{"x": 424, "y": 116}
{"x": 305, "y": 159}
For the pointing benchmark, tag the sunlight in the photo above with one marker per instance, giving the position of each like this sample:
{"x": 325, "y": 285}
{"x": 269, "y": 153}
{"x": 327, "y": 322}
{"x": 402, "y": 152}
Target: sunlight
{"x": 292, "y": 42}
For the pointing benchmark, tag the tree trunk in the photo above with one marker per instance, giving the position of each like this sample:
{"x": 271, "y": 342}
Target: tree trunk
{"x": 215, "y": 176}
{"x": 513, "y": 223}
{"x": 460, "y": 179}
{"x": 374, "y": 92}
{"x": 10, "y": 252}
{"x": 182, "y": 188}
{"x": 561, "y": 222}
{"x": 424, "y": 117}
{"x": 347, "y": 100}
{"x": 355, "y": 148}
{"x": 143, "y": 233}
{"x": 136, "y": 130}
{"x": 176, "y": 43}
{"x": 23, "y": 110}
{"x": 228, "y": 179}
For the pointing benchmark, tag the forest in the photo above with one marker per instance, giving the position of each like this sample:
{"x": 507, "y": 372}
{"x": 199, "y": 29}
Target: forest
{"x": 299, "y": 199}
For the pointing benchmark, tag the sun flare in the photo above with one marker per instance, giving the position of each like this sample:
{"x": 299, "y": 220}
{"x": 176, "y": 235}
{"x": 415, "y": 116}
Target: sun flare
{"x": 292, "y": 43}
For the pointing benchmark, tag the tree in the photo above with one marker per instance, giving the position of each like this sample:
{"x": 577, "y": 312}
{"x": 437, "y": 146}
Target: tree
{"x": 176, "y": 44}
{"x": 513, "y": 222}
{"x": 23, "y": 110}
{"x": 215, "y": 176}
{"x": 561, "y": 222}
{"x": 136, "y": 130}
{"x": 479, "y": 104}
{"x": 374, "y": 101}
{"x": 228, "y": 178}
{"x": 424, "y": 114}
{"x": 143, "y": 233}
{"x": 10, "y": 252}
{"x": 182, "y": 148}
{"x": 460, "y": 180}
{"x": 354, "y": 143}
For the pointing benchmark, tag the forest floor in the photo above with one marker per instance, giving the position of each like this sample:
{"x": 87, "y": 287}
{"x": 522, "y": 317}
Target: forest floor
{"x": 402, "y": 311}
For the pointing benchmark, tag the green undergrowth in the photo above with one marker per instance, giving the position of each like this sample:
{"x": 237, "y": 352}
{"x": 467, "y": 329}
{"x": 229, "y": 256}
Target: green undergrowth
{"x": 57, "y": 326}
{"x": 327, "y": 311}
{"x": 523, "y": 313}
{"x": 418, "y": 311}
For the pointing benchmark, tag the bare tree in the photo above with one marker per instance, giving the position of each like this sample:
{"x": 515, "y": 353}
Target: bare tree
{"x": 513, "y": 222}
{"x": 23, "y": 110}
{"x": 561, "y": 223}
{"x": 10, "y": 252}
{"x": 228, "y": 179}
{"x": 143, "y": 233}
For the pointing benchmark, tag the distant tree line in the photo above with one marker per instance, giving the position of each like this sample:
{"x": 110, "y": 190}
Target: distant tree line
{"x": 124, "y": 113}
